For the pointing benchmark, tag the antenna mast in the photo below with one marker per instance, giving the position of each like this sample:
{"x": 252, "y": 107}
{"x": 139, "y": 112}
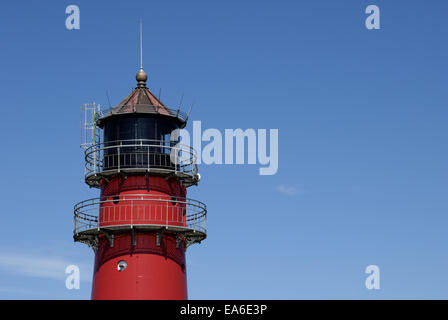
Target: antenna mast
{"x": 141, "y": 46}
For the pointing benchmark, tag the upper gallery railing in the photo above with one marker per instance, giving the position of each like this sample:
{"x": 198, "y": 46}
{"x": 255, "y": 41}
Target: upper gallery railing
{"x": 139, "y": 155}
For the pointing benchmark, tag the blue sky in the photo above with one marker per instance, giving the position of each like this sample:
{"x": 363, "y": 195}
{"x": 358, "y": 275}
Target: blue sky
{"x": 361, "y": 115}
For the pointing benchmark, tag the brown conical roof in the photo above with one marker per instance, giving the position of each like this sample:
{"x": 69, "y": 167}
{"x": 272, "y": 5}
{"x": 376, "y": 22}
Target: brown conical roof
{"x": 142, "y": 100}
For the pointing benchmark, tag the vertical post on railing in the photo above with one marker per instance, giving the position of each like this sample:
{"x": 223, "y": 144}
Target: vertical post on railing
{"x": 140, "y": 153}
{"x": 119, "y": 148}
{"x": 94, "y": 159}
{"x": 74, "y": 225}
{"x": 132, "y": 211}
{"x": 194, "y": 215}
{"x": 205, "y": 219}
{"x": 166, "y": 214}
{"x": 100, "y": 216}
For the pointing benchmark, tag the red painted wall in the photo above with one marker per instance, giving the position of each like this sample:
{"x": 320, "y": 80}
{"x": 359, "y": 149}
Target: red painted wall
{"x": 153, "y": 271}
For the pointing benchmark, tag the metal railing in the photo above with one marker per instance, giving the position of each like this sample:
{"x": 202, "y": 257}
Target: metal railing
{"x": 139, "y": 154}
{"x": 181, "y": 215}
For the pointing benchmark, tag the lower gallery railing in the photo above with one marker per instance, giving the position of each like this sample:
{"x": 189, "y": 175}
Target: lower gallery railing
{"x": 135, "y": 210}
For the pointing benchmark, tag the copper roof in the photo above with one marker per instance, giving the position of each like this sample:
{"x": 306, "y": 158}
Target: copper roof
{"x": 141, "y": 100}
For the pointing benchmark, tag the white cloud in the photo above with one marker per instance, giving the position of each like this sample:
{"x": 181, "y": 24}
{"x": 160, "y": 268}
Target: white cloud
{"x": 289, "y": 190}
{"x": 40, "y": 267}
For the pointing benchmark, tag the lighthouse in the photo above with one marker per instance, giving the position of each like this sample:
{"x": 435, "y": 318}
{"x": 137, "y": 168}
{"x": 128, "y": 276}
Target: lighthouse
{"x": 142, "y": 223}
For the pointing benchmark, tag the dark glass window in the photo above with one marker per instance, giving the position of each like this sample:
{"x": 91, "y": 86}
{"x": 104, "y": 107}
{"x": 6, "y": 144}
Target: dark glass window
{"x": 142, "y": 142}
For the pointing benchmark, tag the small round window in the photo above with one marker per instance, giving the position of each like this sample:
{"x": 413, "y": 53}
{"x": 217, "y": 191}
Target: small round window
{"x": 116, "y": 199}
{"x": 122, "y": 265}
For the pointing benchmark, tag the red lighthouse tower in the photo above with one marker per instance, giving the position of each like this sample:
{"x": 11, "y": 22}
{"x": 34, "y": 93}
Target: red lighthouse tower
{"x": 142, "y": 223}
